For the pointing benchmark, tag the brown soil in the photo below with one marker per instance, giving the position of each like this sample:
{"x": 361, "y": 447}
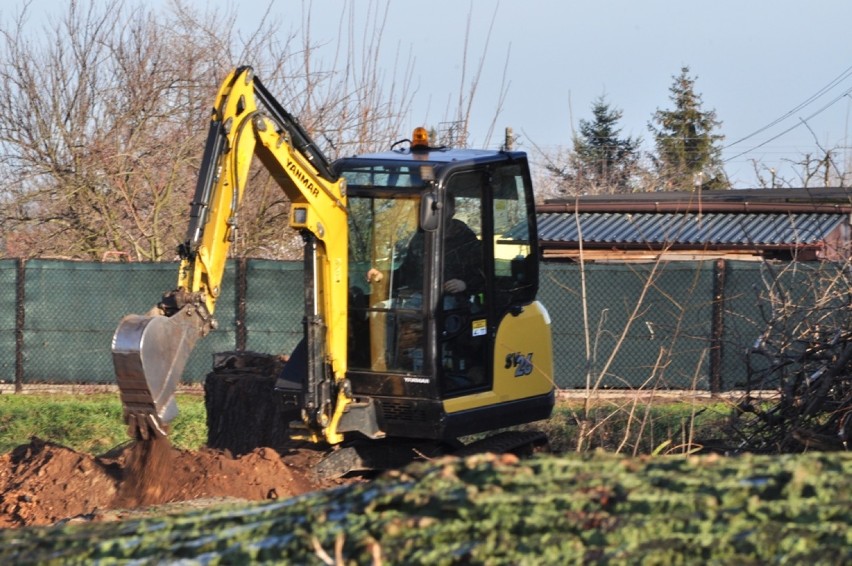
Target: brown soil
{"x": 42, "y": 483}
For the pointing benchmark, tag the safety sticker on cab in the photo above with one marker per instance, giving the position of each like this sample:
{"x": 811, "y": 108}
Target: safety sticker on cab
{"x": 479, "y": 328}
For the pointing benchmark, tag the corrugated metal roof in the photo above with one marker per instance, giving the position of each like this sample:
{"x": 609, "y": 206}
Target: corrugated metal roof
{"x": 797, "y": 196}
{"x": 714, "y": 228}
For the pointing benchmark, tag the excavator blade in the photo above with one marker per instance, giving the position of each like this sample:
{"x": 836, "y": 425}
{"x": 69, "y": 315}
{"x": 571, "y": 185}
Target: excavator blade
{"x": 149, "y": 354}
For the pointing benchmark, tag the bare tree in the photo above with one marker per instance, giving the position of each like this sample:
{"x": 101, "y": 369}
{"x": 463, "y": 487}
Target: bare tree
{"x": 102, "y": 132}
{"x": 107, "y": 107}
{"x": 454, "y": 129}
{"x": 807, "y": 171}
{"x": 817, "y": 170}
{"x": 805, "y": 354}
{"x": 558, "y": 176}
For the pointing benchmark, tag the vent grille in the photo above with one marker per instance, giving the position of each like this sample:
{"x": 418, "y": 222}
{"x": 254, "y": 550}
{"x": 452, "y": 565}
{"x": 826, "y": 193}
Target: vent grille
{"x": 403, "y": 411}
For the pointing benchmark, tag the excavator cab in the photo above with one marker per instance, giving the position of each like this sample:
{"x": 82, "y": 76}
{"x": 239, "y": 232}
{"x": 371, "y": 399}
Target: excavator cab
{"x": 445, "y": 336}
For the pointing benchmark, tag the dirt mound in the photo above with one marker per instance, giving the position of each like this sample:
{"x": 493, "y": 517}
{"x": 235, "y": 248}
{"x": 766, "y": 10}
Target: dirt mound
{"x": 43, "y": 482}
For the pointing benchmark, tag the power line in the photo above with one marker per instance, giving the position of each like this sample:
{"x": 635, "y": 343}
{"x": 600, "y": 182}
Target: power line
{"x": 801, "y": 122}
{"x": 834, "y": 82}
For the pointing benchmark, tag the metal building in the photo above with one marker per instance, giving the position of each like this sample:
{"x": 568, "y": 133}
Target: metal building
{"x": 785, "y": 224}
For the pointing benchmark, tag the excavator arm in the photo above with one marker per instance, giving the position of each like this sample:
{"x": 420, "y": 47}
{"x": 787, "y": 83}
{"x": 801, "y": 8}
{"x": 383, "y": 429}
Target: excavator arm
{"x": 150, "y": 351}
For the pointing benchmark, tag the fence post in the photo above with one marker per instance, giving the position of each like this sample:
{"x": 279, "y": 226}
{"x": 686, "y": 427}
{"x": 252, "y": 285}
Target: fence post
{"x": 20, "y": 311}
{"x": 717, "y": 326}
{"x": 241, "y": 337}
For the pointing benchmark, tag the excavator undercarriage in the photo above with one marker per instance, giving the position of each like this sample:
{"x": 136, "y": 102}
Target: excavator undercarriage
{"x": 242, "y": 416}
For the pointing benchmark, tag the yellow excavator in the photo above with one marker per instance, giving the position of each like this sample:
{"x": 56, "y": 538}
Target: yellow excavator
{"x": 421, "y": 273}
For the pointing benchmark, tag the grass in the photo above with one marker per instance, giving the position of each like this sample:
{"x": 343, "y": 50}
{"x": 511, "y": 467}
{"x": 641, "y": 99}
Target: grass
{"x": 634, "y": 426}
{"x": 89, "y": 423}
{"x": 92, "y": 423}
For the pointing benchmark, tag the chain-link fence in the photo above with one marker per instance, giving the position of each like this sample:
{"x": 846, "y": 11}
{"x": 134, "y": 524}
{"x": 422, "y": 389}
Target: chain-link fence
{"x": 275, "y": 305}
{"x": 8, "y": 319}
{"x": 631, "y": 325}
{"x": 678, "y": 325}
{"x": 57, "y": 318}
{"x": 779, "y": 314}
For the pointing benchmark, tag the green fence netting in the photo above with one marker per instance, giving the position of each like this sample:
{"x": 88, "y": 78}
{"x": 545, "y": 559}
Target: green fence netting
{"x": 73, "y": 308}
{"x": 275, "y": 306}
{"x": 8, "y": 292}
{"x": 761, "y": 296}
{"x": 744, "y": 319}
{"x": 644, "y": 325}
{"x": 632, "y": 325}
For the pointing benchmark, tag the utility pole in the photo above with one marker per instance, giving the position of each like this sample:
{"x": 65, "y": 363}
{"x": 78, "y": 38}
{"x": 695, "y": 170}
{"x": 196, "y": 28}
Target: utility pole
{"x": 508, "y": 140}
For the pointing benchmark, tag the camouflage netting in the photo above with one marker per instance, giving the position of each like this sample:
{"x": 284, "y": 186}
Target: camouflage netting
{"x": 497, "y": 510}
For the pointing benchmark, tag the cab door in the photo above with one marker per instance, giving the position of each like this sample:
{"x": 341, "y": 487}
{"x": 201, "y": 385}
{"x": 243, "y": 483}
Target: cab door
{"x": 463, "y": 317}
{"x": 495, "y": 202}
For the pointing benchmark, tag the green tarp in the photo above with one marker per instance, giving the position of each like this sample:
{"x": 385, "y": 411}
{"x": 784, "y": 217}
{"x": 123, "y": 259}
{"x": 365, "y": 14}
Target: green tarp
{"x": 648, "y": 325}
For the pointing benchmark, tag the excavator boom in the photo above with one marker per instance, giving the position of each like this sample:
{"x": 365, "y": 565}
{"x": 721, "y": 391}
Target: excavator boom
{"x": 150, "y": 351}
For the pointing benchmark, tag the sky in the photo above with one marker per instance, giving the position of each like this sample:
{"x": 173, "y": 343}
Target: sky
{"x": 778, "y": 73}
{"x": 756, "y": 62}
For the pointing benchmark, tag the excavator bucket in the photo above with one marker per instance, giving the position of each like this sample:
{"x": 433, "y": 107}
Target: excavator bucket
{"x": 149, "y": 354}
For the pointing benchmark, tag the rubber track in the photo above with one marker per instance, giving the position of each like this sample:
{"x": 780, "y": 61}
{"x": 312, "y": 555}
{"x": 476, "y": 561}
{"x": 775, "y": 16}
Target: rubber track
{"x": 502, "y": 442}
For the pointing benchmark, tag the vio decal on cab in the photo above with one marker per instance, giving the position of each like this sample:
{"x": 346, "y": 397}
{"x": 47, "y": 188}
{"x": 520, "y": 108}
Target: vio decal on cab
{"x": 523, "y": 364}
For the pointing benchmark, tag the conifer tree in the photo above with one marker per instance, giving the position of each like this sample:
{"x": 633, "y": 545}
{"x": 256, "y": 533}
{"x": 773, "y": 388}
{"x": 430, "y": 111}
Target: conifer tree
{"x": 601, "y": 161}
{"x": 601, "y": 157}
{"x": 687, "y": 151}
